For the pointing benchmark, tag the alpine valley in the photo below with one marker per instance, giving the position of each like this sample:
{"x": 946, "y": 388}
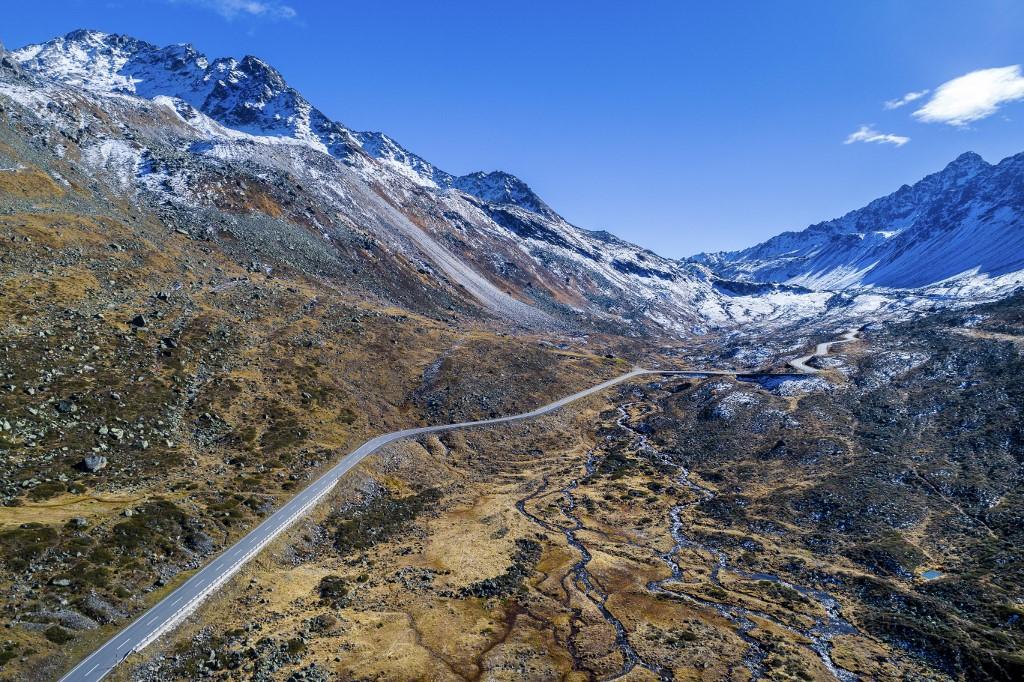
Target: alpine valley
{"x": 211, "y": 293}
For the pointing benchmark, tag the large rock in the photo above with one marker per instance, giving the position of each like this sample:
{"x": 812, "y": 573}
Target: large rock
{"x": 200, "y": 543}
{"x": 67, "y": 618}
{"x": 99, "y": 609}
{"x": 93, "y": 463}
{"x": 6, "y": 62}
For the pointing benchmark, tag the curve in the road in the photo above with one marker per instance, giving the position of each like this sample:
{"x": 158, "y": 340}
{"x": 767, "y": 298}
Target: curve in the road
{"x": 822, "y": 349}
{"x": 175, "y": 607}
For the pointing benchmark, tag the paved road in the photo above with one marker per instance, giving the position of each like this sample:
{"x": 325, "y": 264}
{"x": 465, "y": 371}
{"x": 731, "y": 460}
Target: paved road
{"x": 173, "y": 608}
{"x": 176, "y": 606}
{"x": 800, "y": 364}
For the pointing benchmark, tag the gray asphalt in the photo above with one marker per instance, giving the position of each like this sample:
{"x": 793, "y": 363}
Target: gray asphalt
{"x": 175, "y": 607}
{"x": 800, "y": 364}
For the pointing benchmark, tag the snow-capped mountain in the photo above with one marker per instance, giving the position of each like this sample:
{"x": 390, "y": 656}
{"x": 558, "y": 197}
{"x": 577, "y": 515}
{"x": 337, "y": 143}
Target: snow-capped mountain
{"x": 496, "y": 187}
{"x": 246, "y": 95}
{"x": 227, "y": 146}
{"x": 184, "y": 132}
{"x": 959, "y": 227}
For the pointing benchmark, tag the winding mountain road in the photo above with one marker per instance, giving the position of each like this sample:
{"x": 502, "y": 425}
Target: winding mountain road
{"x": 800, "y": 364}
{"x": 176, "y": 606}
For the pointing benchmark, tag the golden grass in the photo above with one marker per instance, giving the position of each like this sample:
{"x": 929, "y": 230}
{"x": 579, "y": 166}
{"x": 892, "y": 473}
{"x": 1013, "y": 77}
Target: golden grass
{"x": 28, "y": 183}
{"x": 64, "y": 507}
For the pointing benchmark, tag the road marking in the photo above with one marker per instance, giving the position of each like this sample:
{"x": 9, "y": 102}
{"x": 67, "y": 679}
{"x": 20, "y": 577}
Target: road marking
{"x": 119, "y": 646}
{"x": 153, "y": 620}
{"x": 95, "y": 665}
{"x": 175, "y": 601}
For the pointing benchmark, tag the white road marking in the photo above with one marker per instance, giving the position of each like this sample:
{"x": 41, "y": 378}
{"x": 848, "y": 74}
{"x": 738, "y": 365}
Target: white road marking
{"x": 122, "y": 644}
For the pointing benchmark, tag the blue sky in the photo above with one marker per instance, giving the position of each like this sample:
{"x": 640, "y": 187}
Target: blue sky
{"x": 681, "y": 126}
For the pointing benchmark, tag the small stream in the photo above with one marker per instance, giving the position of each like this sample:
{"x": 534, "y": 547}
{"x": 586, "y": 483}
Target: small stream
{"x": 585, "y": 584}
{"x": 820, "y": 634}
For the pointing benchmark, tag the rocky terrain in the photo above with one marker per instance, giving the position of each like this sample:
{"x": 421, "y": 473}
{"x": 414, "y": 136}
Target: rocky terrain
{"x": 795, "y": 528}
{"x": 161, "y": 391}
{"x": 194, "y": 136}
{"x": 210, "y": 292}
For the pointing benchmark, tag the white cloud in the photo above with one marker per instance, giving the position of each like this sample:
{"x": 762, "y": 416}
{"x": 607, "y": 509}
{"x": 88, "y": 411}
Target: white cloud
{"x": 231, "y": 9}
{"x": 868, "y": 134}
{"x": 906, "y": 99}
{"x": 973, "y": 96}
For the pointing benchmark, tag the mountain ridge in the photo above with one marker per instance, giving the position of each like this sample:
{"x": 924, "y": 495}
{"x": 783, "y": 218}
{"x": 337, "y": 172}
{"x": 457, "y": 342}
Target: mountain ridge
{"x": 244, "y": 94}
{"x": 487, "y": 233}
{"x": 201, "y": 316}
{"x": 168, "y": 149}
{"x": 959, "y": 222}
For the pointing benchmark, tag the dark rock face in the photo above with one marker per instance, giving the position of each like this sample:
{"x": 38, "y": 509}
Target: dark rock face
{"x": 200, "y": 543}
{"x": 498, "y": 187}
{"x": 530, "y": 228}
{"x": 7, "y": 63}
{"x": 634, "y": 269}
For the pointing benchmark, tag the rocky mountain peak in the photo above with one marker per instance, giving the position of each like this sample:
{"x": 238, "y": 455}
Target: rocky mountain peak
{"x": 961, "y": 223}
{"x": 258, "y": 70}
{"x": 248, "y": 95}
{"x": 967, "y": 164}
{"x": 499, "y": 187}
{"x": 966, "y": 215}
{"x": 968, "y": 158}
{"x": 6, "y": 63}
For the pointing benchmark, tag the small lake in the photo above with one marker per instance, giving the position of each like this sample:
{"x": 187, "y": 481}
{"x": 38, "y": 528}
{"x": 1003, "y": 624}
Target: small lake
{"x": 931, "y": 574}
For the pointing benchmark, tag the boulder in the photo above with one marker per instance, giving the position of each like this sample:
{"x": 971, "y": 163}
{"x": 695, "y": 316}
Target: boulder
{"x": 93, "y": 463}
{"x": 65, "y": 618}
{"x": 99, "y": 609}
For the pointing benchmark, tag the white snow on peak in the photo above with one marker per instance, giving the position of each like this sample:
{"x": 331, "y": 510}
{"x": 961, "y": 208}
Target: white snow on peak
{"x": 404, "y": 162}
{"x": 964, "y": 221}
{"x": 84, "y": 58}
{"x": 246, "y": 95}
{"x": 956, "y": 235}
